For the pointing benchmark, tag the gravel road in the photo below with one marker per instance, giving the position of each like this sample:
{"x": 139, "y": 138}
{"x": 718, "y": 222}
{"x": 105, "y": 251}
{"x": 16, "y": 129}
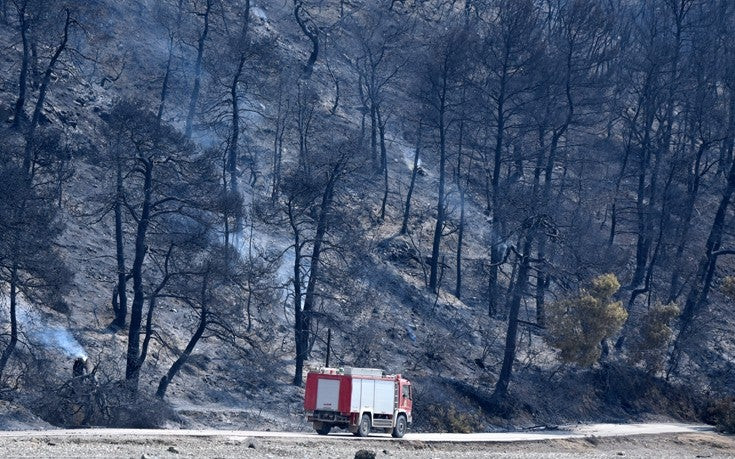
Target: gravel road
{"x": 599, "y": 440}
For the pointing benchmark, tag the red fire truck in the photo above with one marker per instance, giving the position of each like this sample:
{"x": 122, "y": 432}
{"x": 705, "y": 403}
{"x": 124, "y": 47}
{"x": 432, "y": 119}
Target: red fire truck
{"x": 358, "y": 399}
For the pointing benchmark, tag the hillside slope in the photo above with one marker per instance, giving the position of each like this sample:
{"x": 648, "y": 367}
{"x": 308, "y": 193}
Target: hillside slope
{"x": 285, "y": 162}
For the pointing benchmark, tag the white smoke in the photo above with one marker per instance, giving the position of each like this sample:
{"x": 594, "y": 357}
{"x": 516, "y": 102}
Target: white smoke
{"x": 259, "y": 13}
{"x": 49, "y": 336}
{"x": 408, "y": 154}
{"x": 60, "y": 338}
{"x": 285, "y": 269}
{"x": 263, "y": 242}
{"x": 285, "y": 273}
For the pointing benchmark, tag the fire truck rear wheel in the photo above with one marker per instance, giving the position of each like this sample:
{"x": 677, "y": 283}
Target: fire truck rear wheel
{"x": 322, "y": 428}
{"x": 363, "y": 430}
{"x": 401, "y": 426}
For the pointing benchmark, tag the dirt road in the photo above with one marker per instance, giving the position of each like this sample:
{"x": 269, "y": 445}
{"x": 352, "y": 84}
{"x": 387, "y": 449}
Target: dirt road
{"x": 611, "y": 440}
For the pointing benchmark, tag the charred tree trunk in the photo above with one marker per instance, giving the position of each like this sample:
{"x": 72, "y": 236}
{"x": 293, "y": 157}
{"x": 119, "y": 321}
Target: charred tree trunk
{"x": 232, "y": 151}
{"x": 496, "y": 225}
{"x": 440, "y": 206}
{"x": 8, "y": 351}
{"x": 542, "y": 280}
{"x": 618, "y": 184}
{"x": 374, "y": 136}
{"x": 381, "y": 137}
{"x": 132, "y": 373}
{"x": 557, "y": 133}
{"x": 645, "y": 239}
{"x": 506, "y": 371}
{"x": 646, "y": 287}
{"x": 23, "y": 25}
{"x": 181, "y": 361}
{"x": 460, "y": 242}
{"x": 120, "y": 298}
{"x": 169, "y": 62}
{"x": 312, "y": 33}
{"x": 692, "y": 192}
{"x": 726, "y": 157}
{"x": 310, "y": 294}
{"x": 166, "y": 76}
{"x": 702, "y": 282}
{"x": 643, "y": 243}
{"x": 198, "y": 71}
{"x": 407, "y": 209}
{"x": 43, "y": 89}
{"x": 232, "y": 154}
{"x": 305, "y": 111}
{"x": 297, "y": 297}
{"x": 383, "y": 162}
{"x": 152, "y": 307}
{"x": 364, "y": 110}
{"x": 462, "y": 195}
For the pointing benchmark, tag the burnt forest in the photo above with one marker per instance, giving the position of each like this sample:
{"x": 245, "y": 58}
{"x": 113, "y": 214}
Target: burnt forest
{"x": 523, "y": 206}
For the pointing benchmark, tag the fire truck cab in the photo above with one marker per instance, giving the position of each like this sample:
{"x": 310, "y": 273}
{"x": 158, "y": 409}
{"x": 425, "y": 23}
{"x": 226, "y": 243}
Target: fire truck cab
{"x": 358, "y": 399}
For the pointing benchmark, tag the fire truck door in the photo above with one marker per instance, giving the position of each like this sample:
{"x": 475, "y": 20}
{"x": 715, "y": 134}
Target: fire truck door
{"x": 327, "y": 394}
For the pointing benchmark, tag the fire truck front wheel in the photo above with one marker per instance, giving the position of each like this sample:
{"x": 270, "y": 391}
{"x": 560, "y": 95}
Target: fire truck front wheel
{"x": 363, "y": 430}
{"x": 401, "y": 426}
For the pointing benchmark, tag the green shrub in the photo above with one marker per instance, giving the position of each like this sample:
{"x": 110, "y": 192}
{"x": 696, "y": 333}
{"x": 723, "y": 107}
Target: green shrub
{"x": 651, "y": 341}
{"x": 577, "y": 326}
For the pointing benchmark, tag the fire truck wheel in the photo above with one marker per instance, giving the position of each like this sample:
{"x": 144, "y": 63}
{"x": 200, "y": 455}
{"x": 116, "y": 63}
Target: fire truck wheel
{"x": 401, "y": 425}
{"x": 322, "y": 428}
{"x": 363, "y": 430}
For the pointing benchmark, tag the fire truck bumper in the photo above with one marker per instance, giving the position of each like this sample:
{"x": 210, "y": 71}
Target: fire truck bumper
{"x": 330, "y": 417}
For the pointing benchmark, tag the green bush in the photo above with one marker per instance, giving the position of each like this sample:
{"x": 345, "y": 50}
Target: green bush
{"x": 651, "y": 341}
{"x": 577, "y": 326}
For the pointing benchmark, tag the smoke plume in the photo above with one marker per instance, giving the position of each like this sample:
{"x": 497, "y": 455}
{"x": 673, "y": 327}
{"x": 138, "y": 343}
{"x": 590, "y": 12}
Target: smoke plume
{"x": 59, "y": 338}
{"x": 49, "y": 336}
